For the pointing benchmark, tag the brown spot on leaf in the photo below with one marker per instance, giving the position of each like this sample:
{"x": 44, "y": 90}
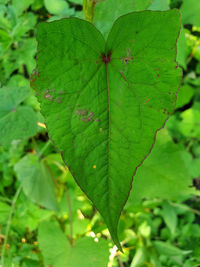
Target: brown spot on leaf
{"x": 89, "y": 118}
{"x": 82, "y": 112}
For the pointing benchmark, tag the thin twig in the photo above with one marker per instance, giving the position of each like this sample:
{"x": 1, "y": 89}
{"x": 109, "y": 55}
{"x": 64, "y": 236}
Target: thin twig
{"x": 9, "y": 223}
{"x": 44, "y": 148}
{"x": 70, "y": 216}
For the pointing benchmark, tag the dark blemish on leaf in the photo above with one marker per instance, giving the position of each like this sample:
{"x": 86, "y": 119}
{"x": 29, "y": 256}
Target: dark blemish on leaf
{"x": 49, "y": 97}
{"x": 176, "y": 67}
{"x": 137, "y": 32}
{"x": 147, "y": 101}
{"x": 172, "y": 48}
{"x": 123, "y": 76}
{"x": 106, "y": 58}
{"x": 34, "y": 77}
{"x": 82, "y": 112}
{"x": 150, "y": 106}
{"x": 128, "y": 58}
{"x": 169, "y": 93}
{"x": 164, "y": 111}
{"x": 158, "y": 75}
{"x": 90, "y": 117}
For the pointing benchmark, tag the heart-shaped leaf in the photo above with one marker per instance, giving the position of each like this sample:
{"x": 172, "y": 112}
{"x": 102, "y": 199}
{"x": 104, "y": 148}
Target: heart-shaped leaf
{"x": 104, "y": 101}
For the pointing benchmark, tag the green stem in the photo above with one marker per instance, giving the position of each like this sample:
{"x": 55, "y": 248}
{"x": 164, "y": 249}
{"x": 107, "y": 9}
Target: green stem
{"x": 88, "y": 9}
{"x": 44, "y": 148}
{"x": 9, "y": 223}
{"x": 69, "y": 215}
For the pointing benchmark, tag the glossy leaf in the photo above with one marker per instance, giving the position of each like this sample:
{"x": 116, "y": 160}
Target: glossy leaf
{"x": 104, "y": 101}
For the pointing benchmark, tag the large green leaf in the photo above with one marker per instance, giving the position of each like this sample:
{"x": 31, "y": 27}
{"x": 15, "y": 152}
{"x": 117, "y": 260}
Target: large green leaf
{"x": 104, "y": 101}
{"x": 58, "y": 252}
{"x": 16, "y": 121}
{"x": 36, "y": 181}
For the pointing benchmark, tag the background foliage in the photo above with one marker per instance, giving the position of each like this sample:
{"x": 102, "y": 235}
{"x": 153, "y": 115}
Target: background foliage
{"x": 42, "y": 210}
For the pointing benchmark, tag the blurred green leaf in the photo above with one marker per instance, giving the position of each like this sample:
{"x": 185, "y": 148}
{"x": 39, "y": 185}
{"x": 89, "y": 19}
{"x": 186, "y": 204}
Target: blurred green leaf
{"x": 16, "y": 121}
{"x": 190, "y": 123}
{"x": 170, "y": 217}
{"x": 184, "y": 96}
{"x": 57, "y": 251}
{"x": 163, "y": 174}
{"x": 139, "y": 257}
{"x": 182, "y": 49}
{"x": 4, "y": 212}
{"x": 167, "y": 249}
{"x": 190, "y": 10}
{"x": 57, "y": 7}
{"x": 159, "y": 5}
{"x": 21, "y": 5}
{"x": 37, "y": 181}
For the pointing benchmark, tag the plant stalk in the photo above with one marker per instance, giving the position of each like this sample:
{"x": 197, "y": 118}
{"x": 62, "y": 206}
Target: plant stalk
{"x": 88, "y": 9}
{"x": 9, "y": 223}
{"x": 70, "y": 216}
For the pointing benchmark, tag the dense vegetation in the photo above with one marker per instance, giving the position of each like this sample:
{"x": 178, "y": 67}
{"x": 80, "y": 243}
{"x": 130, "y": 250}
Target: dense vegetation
{"x": 45, "y": 219}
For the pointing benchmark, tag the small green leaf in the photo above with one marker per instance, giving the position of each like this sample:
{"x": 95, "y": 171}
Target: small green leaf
{"x": 159, "y": 5}
{"x": 189, "y": 125}
{"x": 36, "y": 181}
{"x": 104, "y": 101}
{"x": 57, "y": 251}
{"x": 16, "y": 121}
{"x": 182, "y": 51}
{"x": 57, "y": 7}
{"x": 185, "y": 94}
{"x": 170, "y": 217}
{"x": 167, "y": 249}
